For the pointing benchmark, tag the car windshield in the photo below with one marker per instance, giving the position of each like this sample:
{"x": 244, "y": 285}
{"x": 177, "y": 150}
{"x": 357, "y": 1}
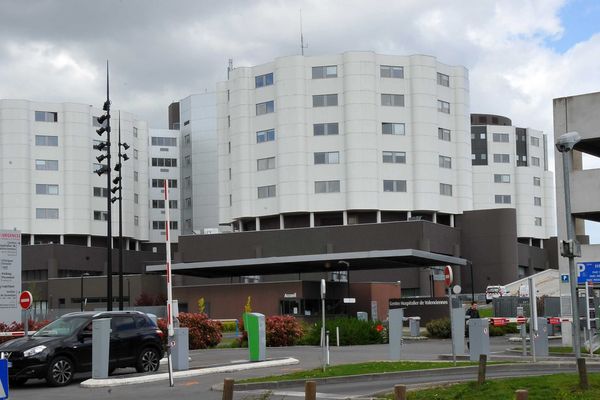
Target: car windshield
{"x": 62, "y": 327}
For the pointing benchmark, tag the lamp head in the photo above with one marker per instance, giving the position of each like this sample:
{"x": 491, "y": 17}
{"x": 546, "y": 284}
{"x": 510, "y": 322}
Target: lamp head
{"x": 567, "y": 141}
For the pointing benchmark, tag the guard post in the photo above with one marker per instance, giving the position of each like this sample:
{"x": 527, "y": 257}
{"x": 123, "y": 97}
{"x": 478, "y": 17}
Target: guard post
{"x": 395, "y": 331}
{"x": 100, "y": 347}
{"x": 540, "y": 338}
{"x": 257, "y": 340}
{"x": 181, "y": 350}
{"x": 479, "y": 337}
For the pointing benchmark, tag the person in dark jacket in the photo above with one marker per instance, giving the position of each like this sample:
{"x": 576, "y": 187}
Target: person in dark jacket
{"x": 471, "y": 313}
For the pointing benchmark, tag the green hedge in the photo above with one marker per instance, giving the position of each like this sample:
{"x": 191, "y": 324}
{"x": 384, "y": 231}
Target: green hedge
{"x": 439, "y": 328}
{"x": 352, "y": 332}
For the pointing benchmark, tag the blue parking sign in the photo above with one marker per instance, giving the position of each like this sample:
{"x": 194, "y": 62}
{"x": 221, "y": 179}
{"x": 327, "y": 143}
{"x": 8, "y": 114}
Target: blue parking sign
{"x": 564, "y": 278}
{"x": 588, "y": 272}
{"x": 3, "y": 378}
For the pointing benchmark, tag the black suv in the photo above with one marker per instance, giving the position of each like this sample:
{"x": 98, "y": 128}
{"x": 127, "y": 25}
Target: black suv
{"x": 64, "y": 347}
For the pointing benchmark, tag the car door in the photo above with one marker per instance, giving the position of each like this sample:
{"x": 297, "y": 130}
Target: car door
{"x": 123, "y": 337}
{"x": 82, "y": 348}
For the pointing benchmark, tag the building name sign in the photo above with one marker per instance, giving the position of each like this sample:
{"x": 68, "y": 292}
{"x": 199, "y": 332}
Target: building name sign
{"x": 10, "y": 275}
{"x": 427, "y": 308}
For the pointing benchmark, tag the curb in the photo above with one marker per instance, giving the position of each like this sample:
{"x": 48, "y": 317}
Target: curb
{"x": 110, "y": 382}
{"x": 386, "y": 375}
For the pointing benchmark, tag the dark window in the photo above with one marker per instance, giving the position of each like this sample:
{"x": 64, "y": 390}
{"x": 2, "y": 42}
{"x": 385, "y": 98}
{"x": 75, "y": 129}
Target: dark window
{"x": 119, "y": 324}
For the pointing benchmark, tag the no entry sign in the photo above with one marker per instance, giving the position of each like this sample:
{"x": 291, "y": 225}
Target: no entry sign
{"x": 448, "y": 276}
{"x": 25, "y": 300}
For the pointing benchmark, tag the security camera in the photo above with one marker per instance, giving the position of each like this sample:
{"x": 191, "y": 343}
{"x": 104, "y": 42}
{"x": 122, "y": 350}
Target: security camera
{"x": 567, "y": 141}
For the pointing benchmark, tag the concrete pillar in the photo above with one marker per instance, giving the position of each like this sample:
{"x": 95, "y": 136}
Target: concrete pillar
{"x": 408, "y": 215}
{"x": 434, "y": 218}
{"x": 345, "y": 217}
{"x": 32, "y": 239}
{"x": 378, "y": 216}
{"x": 257, "y": 223}
{"x": 281, "y": 222}
{"x": 62, "y": 239}
{"x": 312, "y": 219}
{"x": 240, "y": 226}
{"x": 127, "y": 241}
{"x": 452, "y": 220}
{"x": 137, "y": 245}
{"x": 89, "y": 241}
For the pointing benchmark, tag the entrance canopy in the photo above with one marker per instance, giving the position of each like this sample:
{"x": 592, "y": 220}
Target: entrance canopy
{"x": 354, "y": 260}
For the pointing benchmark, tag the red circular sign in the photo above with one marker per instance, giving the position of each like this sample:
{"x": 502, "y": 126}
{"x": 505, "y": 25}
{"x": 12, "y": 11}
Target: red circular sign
{"x": 25, "y": 300}
{"x": 448, "y": 276}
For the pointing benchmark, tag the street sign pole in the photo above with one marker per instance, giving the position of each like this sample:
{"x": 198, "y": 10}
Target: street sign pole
{"x": 448, "y": 278}
{"x": 170, "y": 331}
{"x": 532, "y": 316}
{"x": 324, "y": 348}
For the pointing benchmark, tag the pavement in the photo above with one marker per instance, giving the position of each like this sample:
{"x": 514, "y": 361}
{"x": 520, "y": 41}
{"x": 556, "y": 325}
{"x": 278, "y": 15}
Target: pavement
{"x": 308, "y": 357}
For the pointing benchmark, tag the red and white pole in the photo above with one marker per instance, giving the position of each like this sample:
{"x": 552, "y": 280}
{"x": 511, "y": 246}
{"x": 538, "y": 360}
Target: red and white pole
{"x": 170, "y": 330}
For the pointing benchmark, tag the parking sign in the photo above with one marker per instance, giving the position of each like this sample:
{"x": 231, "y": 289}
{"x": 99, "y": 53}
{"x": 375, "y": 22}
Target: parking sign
{"x": 588, "y": 272}
{"x": 3, "y": 378}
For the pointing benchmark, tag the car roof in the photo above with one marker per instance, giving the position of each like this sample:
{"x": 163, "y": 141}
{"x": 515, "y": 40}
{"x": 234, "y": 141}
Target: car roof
{"x": 98, "y": 314}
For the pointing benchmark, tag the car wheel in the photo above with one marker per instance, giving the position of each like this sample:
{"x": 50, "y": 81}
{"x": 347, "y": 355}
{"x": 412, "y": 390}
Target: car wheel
{"x": 16, "y": 382}
{"x": 60, "y": 371}
{"x": 148, "y": 360}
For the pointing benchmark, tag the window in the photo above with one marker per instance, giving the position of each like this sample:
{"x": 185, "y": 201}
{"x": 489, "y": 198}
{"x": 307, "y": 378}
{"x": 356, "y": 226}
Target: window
{"x": 331, "y": 157}
{"x": 500, "y": 137}
{"x": 46, "y": 116}
{"x": 535, "y": 141}
{"x": 158, "y": 204}
{"x": 394, "y": 157}
{"x": 396, "y": 100}
{"x": 160, "y": 225}
{"x": 164, "y": 141}
{"x": 328, "y": 71}
{"x": 390, "y": 71}
{"x": 187, "y": 139}
{"x": 501, "y": 178}
{"x": 173, "y": 204}
{"x": 135, "y": 132}
{"x": 535, "y": 161}
{"x": 187, "y": 161}
{"x": 537, "y": 181}
{"x": 392, "y": 128}
{"x": 100, "y": 192}
{"x": 136, "y": 220}
{"x": 46, "y": 165}
{"x": 188, "y": 202}
{"x": 159, "y": 183}
{"x": 266, "y": 191}
{"x": 502, "y": 158}
{"x": 263, "y": 80}
{"x": 188, "y": 181}
{"x": 327, "y": 186}
{"x": 135, "y": 176}
{"x": 502, "y": 199}
{"x": 443, "y": 106}
{"x": 46, "y": 189}
{"x": 445, "y": 189}
{"x": 331, "y": 128}
{"x": 136, "y": 154}
{"x": 538, "y": 221}
{"x": 164, "y": 162}
{"x": 443, "y": 80}
{"x": 174, "y": 225}
{"x": 136, "y": 198}
{"x": 537, "y": 201}
{"x": 394, "y": 186}
{"x": 265, "y": 108}
{"x": 265, "y": 163}
{"x": 44, "y": 140}
{"x": 444, "y": 134}
{"x": 46, "y": 213}
{"x": 325, "y": 100}
{"x": 445, "y": 162}
{"x": 265, "y": 136}
{"x": 100, "y": 215}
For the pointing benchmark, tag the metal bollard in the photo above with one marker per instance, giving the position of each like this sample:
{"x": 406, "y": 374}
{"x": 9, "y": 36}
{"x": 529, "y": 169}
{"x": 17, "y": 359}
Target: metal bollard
{"x": 310, "y": 390}
{"x": 327, "y": 347}
{"x": 228, "y": 389}
{"x": 522, "y": 394}
{"x": 400, "y": 392}
{"x": 583, "y": 377}
{"x": 481, "y": 371}
{"x": 337, "y": 335}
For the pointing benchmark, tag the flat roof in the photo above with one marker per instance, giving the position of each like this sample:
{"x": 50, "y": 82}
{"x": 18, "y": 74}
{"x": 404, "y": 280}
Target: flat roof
{"x": 359, "y": 260}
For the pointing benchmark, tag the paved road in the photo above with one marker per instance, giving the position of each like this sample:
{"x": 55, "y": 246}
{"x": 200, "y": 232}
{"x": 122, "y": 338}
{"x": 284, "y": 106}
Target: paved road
{"x": 199, "y": 388}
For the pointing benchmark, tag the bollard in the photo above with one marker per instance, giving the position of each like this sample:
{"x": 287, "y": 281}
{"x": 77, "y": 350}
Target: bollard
{"x": 400, "y": 392}
{"x": 522, "y": 394}
{"x": 583, "y": 377}
{"x": 481, "y": 371}
{"x": 310, "y": 390}
{"x": 337, "y": 335}
{"x": 228, "y": 389}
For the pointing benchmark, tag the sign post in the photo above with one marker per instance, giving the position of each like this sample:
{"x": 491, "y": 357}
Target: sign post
{"x": 532, "y": 316}
{"x": 170, "y": 331}
{"x": 10, "y": 263}
{"x": 324, "y": 349}
{"x": 448, "y": 278}
{"x": 25, "y": 301}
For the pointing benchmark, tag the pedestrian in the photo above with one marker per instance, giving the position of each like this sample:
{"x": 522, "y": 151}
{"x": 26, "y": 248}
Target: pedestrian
{"x": 471, "y": 313}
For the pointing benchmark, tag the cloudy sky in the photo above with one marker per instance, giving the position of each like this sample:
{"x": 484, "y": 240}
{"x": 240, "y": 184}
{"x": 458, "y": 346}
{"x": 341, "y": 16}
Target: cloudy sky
{"x": 521, "y": 54}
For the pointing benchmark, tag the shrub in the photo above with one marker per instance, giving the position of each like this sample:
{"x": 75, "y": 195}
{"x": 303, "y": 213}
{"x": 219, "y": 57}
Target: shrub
{"x": 352, "y": 332}
{"x": 203, "y": 332}
{"x": 496, "y": 331}
{"x": 439, "y": 328}
{"x": 283, "y": 331}
{"x": 228, "y": 326}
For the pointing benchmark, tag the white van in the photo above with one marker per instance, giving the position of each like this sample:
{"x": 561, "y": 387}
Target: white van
{"x": 493, "y": 292}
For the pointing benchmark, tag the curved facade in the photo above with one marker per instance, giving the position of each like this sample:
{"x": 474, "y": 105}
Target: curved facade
{"x": 364, "y": 137}
{"x": 48, "y": 188}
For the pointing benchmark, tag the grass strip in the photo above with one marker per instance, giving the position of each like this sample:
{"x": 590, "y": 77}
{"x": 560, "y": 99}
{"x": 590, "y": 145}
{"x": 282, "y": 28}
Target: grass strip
{"x": 547, "y": 387}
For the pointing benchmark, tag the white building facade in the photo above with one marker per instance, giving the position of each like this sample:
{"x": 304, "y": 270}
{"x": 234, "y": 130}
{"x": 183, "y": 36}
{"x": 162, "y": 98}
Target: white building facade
{"x": 343, "y": 139}
{"x": 48, "y": 188}
{"x": 510, "y": 170}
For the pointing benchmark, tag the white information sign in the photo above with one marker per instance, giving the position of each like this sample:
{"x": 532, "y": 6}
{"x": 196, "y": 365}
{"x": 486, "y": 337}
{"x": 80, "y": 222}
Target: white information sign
{"x": 10, "y": 275}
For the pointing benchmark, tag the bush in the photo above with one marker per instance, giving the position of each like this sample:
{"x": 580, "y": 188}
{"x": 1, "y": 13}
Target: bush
{"x": 203, "y": 332}
{"x": 283, "y": 331}
{"x": 19, "y": 327}
{"x": 439, "y": 328}
{"x": 228, "y": 326}
{"x": 352, "y": 332}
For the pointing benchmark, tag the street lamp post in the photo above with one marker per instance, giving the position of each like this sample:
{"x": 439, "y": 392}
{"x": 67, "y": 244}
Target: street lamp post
{"x": 81, "y": 298}
{"x": 570, "y": 248}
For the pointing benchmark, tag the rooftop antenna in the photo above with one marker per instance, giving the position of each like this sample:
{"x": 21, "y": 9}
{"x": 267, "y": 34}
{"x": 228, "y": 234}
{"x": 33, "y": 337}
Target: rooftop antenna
{"x": 229, "y": 67}
{"x": 302, "y": 46}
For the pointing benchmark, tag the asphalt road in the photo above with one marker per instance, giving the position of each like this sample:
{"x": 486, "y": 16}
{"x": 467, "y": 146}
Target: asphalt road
{"x": 309, "y": 357}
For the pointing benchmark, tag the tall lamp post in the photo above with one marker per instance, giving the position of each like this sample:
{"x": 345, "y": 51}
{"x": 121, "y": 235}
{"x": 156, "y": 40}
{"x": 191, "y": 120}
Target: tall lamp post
{"x": 118, "y": 181}
{"x": 81, "y": 298}
{"x": 570, "y": 248}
